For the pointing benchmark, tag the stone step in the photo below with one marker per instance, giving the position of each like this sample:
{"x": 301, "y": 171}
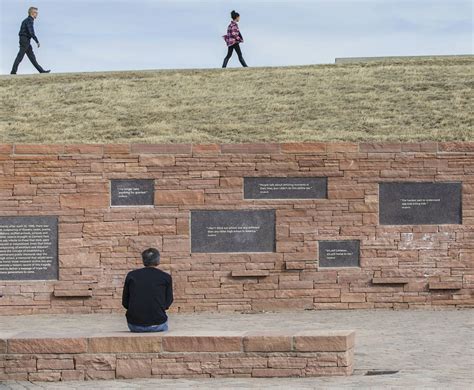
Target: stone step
{"x": 176, "y": 354}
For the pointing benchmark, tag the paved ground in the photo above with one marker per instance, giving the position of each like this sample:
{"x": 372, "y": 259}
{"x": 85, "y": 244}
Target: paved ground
{"x": 429, "y": 349}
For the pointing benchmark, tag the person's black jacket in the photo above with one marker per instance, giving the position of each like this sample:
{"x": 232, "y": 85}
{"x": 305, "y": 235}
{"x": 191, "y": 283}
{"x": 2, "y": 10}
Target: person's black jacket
{"x": 147, "y": 294}
{"x": 27, "y": 29}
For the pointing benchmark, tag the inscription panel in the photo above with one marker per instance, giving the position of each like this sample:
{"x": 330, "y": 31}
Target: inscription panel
{"x": 132, "y": 192}
{"x": 28, "y": 248}
{"x": 285, "y": 187}
{"x": 341, "y": 253}
{"x": 220, "y": 231}
{"x": 407, "y": 203}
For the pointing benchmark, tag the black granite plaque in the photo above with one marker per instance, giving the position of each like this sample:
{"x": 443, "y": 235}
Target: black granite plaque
{"x": 220, "y": 231}
{"x": 28, "y": 248}
{"x": 285, "y": 187}
{"x": 411, "y": 203}
{"x": 132, "y": 192}
{"x": 342, "y": 253}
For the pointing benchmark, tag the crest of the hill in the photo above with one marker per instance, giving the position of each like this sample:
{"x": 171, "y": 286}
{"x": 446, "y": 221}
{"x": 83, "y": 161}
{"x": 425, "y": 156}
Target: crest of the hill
{"x": 411, "y": 100}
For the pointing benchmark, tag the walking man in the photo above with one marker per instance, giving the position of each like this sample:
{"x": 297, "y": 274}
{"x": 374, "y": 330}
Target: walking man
{"x": 27, "y": 32}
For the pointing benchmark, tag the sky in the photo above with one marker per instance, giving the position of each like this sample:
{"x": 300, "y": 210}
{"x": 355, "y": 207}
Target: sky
{"x": 101, "y": 35}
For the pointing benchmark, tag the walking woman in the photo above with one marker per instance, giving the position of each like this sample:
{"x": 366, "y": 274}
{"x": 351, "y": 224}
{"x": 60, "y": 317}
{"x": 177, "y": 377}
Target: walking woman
{"x": 233, "y": 38}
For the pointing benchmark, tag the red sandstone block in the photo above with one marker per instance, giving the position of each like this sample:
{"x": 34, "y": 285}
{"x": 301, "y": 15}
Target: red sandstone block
{"x": 161, "y": 148}
{"x": 326, "y": 293}
{"x": 345, "y": 147}
{"x": 353, "y": 297}
{"x": 169, "y": 367}
{"x": 104, "y": 229}
{"x": 6, "y": 148}
{"x": 104, "y": 362}
{"x": 249, "y": 273}
{"x": 334, "y": 341}
{"x": 258, "y": 148}
{"x": 14, "y": 376}
{"x": 210, "y": 174}
{"x": 72, "y": 375}
{"x": 117, "y": 148}
{"x": 202, "y": 344}
{"x": 296, "y": 284}
{"x": 206, "y": 149}
{"x": 73, "y": 293}
{"x": 389, "y": 280}
{"x": 396, "y": 174}
{"x": 56, "y": 345}
{"x": 276, "y": 372}
{"x": 84, "y": 201}
{"x": 346, "y": 194}
{"x": 287, "y": 362}
{"x": 3, "y": 346}
{"x": 44, "y": 376}
{"x": 370, "y": 218}
{"x": 456, "y": 147}
{"x": 79, "y": 260}
{"x": 304, "y": 147}
{"x": 348, "y": 165}
{"x": 92, "y": 374}
{"x": 38, "y": 149}
{"x": 380, "y": 147}
{"x": 179, "y": 197}
{"x": 420, "y": 147}
{"x": 445, "y": 285}
{"x": 362, "y": 207}
{"x": 20, "y": 364}
{"x": 24, "y": 189}
{"x": 295, "y": 265}
{"x": 84, "y": 149}
{"x": 55, "y": 364}
{"x": 311, "y": 162}
{"x": 176, "y": 244}
{"x": 244, "y": 362}
{"x": 230, "y": 182}
{"x": 267, "y": 342}
{"x": 133, "y": 368}
{"x": 122, "y": 344}
{"x": 157, "y": 161}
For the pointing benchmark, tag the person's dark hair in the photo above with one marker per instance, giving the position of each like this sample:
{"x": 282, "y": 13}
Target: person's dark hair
{"x": 234, "y": 15}
{"x": 151, "y": 257}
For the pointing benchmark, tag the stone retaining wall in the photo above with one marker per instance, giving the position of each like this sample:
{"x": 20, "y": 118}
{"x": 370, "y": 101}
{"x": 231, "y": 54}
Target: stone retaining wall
{"x": 178, "y": 356}
{"x": 401, "y": 266}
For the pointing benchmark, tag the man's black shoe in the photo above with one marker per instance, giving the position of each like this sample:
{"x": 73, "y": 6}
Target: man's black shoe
{"x": 46, "y": 71}
{"x": 12, "y": 73}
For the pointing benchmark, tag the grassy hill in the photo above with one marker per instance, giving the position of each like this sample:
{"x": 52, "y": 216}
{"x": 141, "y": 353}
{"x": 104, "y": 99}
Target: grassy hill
{"x": 408, "y": 100}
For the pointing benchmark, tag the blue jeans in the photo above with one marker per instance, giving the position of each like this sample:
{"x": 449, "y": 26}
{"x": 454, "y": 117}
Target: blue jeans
{"x": 152, "y": 328}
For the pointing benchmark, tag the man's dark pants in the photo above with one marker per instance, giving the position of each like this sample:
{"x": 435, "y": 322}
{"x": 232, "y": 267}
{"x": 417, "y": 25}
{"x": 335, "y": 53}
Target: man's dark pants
{"x": 25, "y": 48}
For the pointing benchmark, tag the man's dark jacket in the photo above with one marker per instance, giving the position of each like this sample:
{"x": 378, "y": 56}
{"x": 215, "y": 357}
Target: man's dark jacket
{"x": 27, "y": 29}
{"x": 147, "y": 294}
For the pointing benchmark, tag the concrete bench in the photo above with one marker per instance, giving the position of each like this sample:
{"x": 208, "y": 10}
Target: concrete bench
{"x": 176, "y": 354}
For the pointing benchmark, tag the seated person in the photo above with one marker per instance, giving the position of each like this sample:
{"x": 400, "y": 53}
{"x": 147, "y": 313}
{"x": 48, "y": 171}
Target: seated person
{"x": 147, "y": 294}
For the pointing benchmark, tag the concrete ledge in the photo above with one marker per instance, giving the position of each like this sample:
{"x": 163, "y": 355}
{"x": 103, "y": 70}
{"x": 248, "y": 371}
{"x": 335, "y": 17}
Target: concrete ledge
{"x": 123, "y": 355}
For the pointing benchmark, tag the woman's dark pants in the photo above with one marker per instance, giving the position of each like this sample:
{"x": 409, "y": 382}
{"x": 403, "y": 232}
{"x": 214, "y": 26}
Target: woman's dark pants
{"x": 230, "y": 50}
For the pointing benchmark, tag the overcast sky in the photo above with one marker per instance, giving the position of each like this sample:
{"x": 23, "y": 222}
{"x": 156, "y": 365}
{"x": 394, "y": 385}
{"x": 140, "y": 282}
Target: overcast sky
{"x": 95, "y": 35}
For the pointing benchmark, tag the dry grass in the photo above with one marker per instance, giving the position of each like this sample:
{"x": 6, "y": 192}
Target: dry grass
{"x": 427, "y": 99}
